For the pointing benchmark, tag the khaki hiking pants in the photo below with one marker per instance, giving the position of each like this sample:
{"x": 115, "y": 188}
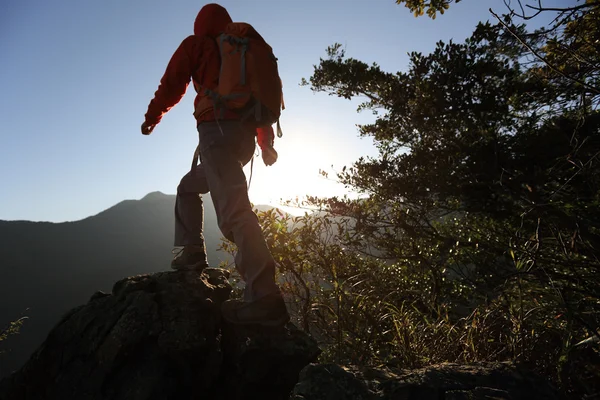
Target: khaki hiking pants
{"x": 224, "y": 151}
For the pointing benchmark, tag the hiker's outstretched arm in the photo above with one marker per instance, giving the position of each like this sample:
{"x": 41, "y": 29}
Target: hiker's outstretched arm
{"x": 176, "y": 79}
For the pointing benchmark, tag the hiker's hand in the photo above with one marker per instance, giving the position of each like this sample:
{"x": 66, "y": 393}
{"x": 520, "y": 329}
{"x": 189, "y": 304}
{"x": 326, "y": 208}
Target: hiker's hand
{"x": 269, "y": 155}
{"x": 147, "y": 128}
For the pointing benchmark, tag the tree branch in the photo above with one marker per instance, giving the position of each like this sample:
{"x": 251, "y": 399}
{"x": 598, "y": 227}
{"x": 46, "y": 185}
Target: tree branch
{"x": 563, "y": 10}
{"x": 542, "y": 58}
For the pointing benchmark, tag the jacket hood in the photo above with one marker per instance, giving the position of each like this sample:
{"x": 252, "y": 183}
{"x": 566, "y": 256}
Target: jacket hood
{"x": 211, "y": 20}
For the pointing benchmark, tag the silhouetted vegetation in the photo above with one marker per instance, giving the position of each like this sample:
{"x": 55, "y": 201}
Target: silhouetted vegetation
{"x": 12, "y": 328}
{"x": 477, "y": 232}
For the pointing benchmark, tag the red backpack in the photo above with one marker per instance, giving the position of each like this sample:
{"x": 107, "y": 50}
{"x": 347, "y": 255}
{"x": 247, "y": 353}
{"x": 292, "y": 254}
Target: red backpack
{"x": 249, "y": 81}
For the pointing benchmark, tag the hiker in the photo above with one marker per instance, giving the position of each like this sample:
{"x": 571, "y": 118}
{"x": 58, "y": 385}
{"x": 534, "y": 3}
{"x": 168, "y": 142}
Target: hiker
{"x": 226, "y": 144}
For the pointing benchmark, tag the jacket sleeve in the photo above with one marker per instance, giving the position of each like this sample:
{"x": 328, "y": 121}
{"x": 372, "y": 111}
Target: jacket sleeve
{"x": 176, "y": 79}
{"x": 265, "y": 137}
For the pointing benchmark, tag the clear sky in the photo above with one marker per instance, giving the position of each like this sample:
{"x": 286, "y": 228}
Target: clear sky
{"x": 76, "y": 78}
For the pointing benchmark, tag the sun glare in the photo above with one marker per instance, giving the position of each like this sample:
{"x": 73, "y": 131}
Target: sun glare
{"x": 295, "y": 175}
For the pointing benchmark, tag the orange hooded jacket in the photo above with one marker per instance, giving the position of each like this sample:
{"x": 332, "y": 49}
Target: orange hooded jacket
{"x": 197, "y": 58}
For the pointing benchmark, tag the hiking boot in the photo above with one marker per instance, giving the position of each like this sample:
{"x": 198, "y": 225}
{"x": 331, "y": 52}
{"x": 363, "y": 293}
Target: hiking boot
{"x": 189, "y": 258}
{"x": 267, "y": 311}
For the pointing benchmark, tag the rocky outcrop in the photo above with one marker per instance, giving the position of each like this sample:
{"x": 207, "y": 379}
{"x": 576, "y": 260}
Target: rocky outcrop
{"x": 486, "y": 381}
{"x": 161, "y": 336}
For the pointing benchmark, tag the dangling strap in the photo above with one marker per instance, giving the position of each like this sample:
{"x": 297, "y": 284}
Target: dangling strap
{"x": 251, "y": 168}
{"x": 195, "y": 160}
{"x": 244, "y": 46}
{"x": 279, "y": 131}
{"x": 222, "y": 38}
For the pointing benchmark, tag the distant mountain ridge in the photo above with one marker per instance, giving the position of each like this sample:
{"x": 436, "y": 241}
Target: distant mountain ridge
{"x": 47, "y": 268}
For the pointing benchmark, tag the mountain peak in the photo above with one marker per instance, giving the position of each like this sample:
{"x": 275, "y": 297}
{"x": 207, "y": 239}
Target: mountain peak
{"x": 154, "y": 195}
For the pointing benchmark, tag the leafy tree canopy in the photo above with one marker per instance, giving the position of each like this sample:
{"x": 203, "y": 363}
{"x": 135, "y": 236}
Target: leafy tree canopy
{"x": 477, "y": 235}
{"x": 431, "y": 8}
